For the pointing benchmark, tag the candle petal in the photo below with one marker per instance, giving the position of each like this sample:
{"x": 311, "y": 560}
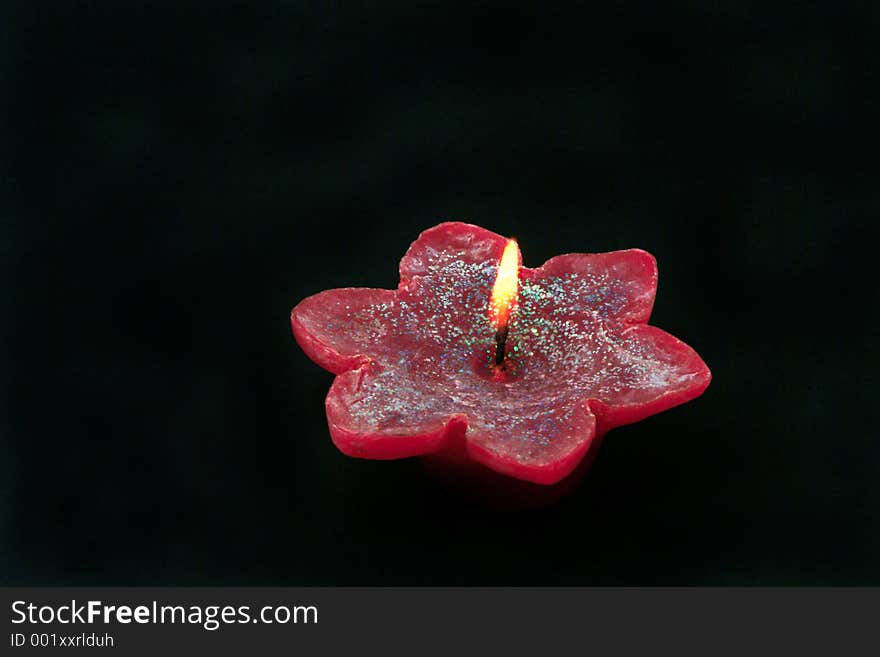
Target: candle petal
{"x": 539, "y": 444}
{"x": 451, "y": 244}
{"x": 339, "y": 329}
{"x": 649, "y": 371}
{"x": 618, "y": 284}
{"x": 367, "y": 419}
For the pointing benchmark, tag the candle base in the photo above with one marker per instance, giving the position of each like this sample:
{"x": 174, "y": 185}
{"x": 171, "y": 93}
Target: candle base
{"x": 476, "y": 484}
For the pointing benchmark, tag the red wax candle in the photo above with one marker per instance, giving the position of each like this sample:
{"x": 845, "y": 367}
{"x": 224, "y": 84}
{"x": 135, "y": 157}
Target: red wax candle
{"x": 485, "y": 365}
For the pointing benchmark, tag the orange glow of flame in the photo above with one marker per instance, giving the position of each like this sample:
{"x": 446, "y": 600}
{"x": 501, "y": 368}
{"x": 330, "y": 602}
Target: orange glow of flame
{"x": 504, "y": 292}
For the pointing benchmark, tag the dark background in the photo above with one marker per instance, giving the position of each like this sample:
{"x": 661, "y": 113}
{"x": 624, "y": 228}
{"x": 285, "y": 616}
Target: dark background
{"x": 175, "y": 178}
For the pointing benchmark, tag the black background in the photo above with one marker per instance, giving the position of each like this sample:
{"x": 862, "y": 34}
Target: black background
{"x": 175, "y": 178}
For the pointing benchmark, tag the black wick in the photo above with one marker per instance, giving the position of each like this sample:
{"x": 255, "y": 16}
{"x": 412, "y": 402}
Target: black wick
{"x": 500, "y": 344}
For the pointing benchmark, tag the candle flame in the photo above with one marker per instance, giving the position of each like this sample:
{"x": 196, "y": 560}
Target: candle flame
{"x": 504, "y": 291}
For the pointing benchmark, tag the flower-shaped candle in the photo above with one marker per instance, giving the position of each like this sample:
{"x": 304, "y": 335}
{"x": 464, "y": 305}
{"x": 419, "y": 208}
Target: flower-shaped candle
{"x": 474, "y": 358}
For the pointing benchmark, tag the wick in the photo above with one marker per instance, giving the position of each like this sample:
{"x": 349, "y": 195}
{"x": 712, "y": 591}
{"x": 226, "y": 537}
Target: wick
{"x": 500, "y": 343}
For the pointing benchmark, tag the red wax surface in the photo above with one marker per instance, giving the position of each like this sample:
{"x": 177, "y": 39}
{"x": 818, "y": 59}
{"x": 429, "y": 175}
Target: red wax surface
{"x": 415, "y": 371}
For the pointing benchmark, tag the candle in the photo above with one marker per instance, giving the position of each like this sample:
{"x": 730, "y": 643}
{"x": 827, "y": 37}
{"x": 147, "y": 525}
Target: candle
{"x": 479, "y": 363}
